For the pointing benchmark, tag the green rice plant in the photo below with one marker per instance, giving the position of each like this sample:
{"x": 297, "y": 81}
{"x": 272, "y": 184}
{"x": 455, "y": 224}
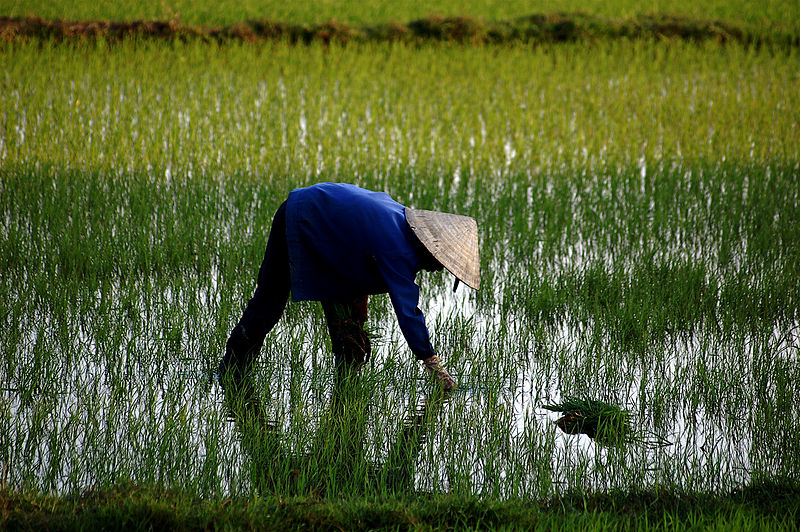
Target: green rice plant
{"x": 488, "y": 117}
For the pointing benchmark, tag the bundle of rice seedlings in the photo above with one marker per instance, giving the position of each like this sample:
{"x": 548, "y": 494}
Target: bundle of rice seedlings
{"x": 605, "y": 423}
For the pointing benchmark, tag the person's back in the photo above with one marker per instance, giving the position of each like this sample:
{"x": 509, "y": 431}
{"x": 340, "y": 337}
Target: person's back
{"x": 340, "y": 239}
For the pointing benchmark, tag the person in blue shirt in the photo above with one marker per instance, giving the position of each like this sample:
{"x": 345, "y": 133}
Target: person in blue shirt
{"x": 338, "y": 244}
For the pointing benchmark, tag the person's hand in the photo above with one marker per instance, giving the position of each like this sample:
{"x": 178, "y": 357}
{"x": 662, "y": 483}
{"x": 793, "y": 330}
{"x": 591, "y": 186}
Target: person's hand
{"x": 433, "y": 367}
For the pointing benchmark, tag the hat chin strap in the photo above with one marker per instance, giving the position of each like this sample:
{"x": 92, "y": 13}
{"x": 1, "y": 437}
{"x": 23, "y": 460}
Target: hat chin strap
{"x": 455, "y": 285}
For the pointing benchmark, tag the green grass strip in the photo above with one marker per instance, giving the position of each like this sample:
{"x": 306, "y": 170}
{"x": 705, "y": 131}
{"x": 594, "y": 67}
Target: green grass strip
{"x": 764, "y": 506}
{"x": 530, "y": 29}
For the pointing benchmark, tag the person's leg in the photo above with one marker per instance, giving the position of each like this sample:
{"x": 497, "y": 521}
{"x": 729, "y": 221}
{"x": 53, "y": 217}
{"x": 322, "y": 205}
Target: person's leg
{"x": 346, "y": 319}
{"x": 267, "y": 304}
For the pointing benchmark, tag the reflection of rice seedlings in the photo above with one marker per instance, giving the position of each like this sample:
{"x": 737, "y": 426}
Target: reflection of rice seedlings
{"x": 605, "y": 423}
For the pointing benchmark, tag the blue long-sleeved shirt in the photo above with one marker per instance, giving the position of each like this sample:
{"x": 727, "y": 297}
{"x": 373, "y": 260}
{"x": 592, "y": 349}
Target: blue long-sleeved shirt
{"x": 345, "y": 241}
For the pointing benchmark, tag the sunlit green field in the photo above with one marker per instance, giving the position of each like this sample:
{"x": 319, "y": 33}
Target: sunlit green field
{"x": 782, "y": 12}
{"x": 638, "y": 211}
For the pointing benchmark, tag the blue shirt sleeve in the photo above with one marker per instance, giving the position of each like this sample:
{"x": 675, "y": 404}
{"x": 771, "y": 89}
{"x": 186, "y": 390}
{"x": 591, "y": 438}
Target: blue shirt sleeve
{"x": 404, "y": 293}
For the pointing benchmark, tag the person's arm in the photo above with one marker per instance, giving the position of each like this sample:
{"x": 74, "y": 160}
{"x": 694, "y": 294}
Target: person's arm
{"x": 404, "y": 294}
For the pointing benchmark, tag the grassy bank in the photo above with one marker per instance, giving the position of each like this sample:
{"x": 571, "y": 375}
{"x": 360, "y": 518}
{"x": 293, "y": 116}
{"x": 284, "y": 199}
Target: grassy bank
{"x": 531, "y": 29}
{"x": 226, "y": 12}
{"x": 773, "y": 23}
{"x": 761, "y": 507}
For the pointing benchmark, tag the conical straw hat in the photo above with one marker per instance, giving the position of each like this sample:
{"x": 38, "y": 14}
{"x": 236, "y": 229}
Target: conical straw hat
{"x": 452, "y": 239}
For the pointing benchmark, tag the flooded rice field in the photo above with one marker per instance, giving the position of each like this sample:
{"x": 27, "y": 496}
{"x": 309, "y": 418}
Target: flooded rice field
{"x": 637, "y": 206}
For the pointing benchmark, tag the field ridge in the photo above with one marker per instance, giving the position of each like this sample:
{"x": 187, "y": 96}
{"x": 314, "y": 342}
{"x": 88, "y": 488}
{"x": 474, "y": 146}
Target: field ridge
{"x": 537, "y": 28}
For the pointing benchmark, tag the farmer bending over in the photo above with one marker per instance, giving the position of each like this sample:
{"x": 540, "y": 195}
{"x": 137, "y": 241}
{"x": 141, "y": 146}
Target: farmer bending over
{"x": 338, "y": 243}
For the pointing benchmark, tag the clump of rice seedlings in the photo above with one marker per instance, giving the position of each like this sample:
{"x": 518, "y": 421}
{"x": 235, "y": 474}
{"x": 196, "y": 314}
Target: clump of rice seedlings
{"x": 605, "y": 423}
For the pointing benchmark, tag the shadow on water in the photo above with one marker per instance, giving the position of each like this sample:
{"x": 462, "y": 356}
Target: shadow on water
{"x": 335, "y": 462}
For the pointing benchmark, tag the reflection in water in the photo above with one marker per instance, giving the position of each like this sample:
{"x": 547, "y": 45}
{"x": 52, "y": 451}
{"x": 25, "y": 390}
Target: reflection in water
{"x": 336, "y": 461}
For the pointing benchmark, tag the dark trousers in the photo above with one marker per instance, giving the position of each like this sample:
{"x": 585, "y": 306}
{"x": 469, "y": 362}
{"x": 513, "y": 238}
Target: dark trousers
{"x": 345, "y": 318}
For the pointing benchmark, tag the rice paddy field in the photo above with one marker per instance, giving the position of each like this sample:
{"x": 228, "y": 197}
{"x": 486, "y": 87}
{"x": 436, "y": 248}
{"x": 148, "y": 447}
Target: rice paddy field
{"x": 638, "y": 204}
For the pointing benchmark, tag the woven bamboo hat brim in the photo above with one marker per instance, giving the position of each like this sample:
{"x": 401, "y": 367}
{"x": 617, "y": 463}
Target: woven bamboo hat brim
{"x": 452, "y": 239}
